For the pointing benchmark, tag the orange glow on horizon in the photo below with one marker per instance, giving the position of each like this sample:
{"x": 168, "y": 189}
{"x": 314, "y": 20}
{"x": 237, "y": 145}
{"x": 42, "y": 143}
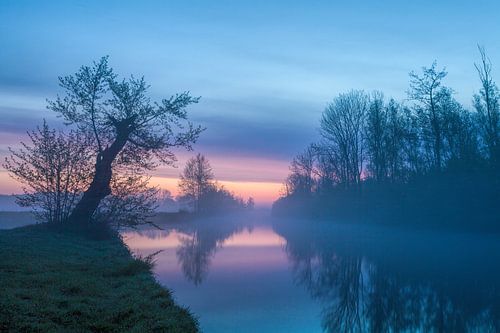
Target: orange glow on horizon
{"x": 8, "y": 185}
{"x": 264, "y": 193}
{"x": 250, "y": 176}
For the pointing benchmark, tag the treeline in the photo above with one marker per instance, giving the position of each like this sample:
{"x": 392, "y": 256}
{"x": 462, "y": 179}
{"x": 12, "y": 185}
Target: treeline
{"x": 428, "y": 159}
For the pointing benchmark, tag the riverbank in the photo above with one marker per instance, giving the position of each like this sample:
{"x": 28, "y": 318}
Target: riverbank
{"x": 59, "y": 281}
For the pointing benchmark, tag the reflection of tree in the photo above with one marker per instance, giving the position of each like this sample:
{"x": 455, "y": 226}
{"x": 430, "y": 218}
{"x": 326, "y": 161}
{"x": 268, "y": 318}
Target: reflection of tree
{"x": 203, "y": 239}
{"x": 347, "y": 313}
{"x": 361, "y": 290}
{"x": 339, "y": 284}
{"x": 195, "y": 254}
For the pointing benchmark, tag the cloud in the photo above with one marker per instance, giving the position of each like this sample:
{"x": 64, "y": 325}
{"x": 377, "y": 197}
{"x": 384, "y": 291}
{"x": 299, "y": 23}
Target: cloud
{"x": 262, "y": 127}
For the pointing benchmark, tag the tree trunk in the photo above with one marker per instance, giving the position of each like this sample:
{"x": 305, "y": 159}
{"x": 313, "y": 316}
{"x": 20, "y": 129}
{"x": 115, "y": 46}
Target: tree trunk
{"x": 100, "y": 186}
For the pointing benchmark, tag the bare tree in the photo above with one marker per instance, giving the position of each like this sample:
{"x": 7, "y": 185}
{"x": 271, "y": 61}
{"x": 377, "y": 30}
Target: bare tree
{"x": 326, "y": 168}
{"x": 54, "y": 170}
{"x": 196, "y": 178}
{"x": 427, "y": 90}
{"x": 376, "y": 137}
{"x": 395, "y": 141}
{"x": 460, "y": 135}
{"x": 127, "y": 128}
{"x": 343, "y": 128}
{"x": 487, "y": 106}
{"x": 302, "y": 173}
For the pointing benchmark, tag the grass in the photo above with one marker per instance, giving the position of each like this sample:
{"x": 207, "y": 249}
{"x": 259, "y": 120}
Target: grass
{"x": 61, "y": 282}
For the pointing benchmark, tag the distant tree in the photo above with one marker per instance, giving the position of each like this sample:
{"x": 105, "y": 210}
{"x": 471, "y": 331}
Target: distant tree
{"x": 166, "y": 201}
{"x": 487, "y": 106}
{"x": 165, "y": 194}
{"x": 343, "y": 129}
{"x": 127, "y": 128}
{"x": 200, "y": 191}
{"x": 427, "y": 90}
{"x": 216, "y": 199}
{"x": 54, "y": 169}
{"x": 196, "y": 178}
{"x": 250, "y": 204}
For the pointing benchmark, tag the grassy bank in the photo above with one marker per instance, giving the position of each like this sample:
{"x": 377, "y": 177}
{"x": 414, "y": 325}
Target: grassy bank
{"x": 60, "y": 282}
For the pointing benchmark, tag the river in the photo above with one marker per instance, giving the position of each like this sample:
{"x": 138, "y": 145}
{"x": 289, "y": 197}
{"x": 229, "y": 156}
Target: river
{"x": 255, "y": 274}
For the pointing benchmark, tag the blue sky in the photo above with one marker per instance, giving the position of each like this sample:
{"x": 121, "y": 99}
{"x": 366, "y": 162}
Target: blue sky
{"x": 265, "y": 69}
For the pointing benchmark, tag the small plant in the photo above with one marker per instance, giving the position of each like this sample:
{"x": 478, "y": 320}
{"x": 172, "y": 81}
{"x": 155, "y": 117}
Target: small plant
{"x": 139, "y": 264}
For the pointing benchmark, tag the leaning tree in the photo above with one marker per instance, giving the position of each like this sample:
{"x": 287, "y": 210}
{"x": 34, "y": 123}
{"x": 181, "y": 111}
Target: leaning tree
{"x": 128, "y": 130}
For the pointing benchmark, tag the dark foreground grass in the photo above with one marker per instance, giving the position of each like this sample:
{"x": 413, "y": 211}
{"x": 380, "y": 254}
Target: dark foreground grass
{"x": 60, "y": 282}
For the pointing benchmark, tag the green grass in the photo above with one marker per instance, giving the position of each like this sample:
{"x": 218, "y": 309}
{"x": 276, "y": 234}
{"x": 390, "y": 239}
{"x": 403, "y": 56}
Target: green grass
{"x": 61, "y": 282}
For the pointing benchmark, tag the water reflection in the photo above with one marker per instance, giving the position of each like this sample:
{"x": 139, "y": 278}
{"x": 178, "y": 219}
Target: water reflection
{"x": 348, "y": 278}
{"x": 381, "y": 280}
{"x": 199, "y": 240}
{"x": 197, "y": 249}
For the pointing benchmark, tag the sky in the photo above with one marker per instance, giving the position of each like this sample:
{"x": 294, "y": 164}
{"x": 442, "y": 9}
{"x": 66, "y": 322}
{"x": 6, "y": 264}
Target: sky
{"x": 265, "y": 70}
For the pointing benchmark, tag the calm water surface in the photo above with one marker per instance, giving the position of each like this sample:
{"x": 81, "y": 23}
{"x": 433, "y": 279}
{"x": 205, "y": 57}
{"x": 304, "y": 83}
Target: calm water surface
{"x": 253, "y": 274}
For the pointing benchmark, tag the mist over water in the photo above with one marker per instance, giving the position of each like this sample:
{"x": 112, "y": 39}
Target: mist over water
{"x": 251, "y": 273}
